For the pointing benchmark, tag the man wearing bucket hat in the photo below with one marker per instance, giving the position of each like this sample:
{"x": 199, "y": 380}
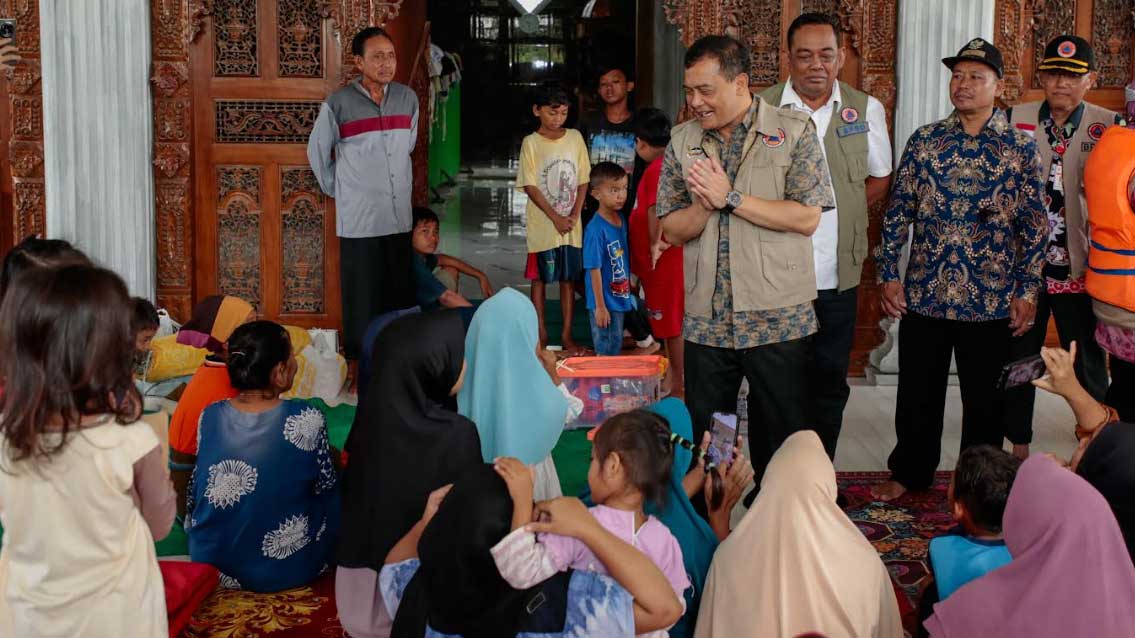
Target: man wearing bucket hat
{"x": 970, "y": 185}
{"x": 1066, "y": 129}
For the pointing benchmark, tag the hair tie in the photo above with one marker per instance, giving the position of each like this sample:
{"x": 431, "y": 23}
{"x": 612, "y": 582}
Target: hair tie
{"x": 678, "y": 440}
{"x": 236, "y": 353}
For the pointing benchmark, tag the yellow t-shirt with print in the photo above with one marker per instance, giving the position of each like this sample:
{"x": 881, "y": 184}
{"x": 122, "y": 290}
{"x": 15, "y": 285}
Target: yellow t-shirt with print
{"x": 557, "y": 168}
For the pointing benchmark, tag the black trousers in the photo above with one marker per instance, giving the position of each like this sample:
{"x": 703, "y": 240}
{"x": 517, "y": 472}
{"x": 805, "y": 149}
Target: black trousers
{"x": 637, "y": 323}
{"x": 375, "y": 276}
{"x": 1121, "y": 394}
{"x": 831, "y": 357}
{"x": 925, "y": 346}
{"x": 777, "y": 375}
{"x": 1075, "y": 321}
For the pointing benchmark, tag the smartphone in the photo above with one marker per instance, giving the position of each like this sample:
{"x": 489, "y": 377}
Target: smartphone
{"x": 7, "y": 29}
{"x": 1020, "y": 372}
{"x": 723, "y": 437}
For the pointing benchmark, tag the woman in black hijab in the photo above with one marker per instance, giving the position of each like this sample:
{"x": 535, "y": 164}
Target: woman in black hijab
{"x": 403, "y": 445}
{"x": 442, "y": 579}
{"x": 1109, "y": 465}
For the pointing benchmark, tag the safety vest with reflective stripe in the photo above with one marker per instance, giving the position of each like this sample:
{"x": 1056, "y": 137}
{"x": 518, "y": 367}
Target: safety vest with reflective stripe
{"x": 1111, "y": 218}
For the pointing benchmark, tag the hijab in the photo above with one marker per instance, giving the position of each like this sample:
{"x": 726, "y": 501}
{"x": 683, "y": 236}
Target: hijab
{"x": 213, "y": 322}
{"x": 1067, "y": 577}
{"x": 403, "y": 443}
{"x": 519, "y": 412}
{"x": 457, "y": 588}
{"x": 1109, "y": 465}
{"x": 796, "y": 563}
{"x": 697, "y": 540}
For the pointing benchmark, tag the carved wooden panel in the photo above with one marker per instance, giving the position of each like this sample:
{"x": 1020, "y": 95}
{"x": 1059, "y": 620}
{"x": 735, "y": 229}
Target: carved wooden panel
{"x": 299, "y": 35}
{"x": 238, "y": 232}
{"x": 1050, "y": 19}
{"x": 174, "y": 233}
{"x": 1010, "y": 35}
{"x": 25, "y": 113}
{"x": 830, "y": 7}
{"x": 304, "y": 227}
{"x": 1113, "y": 32}
{"x": 173, "y": 129}
{"x": 264, "y": 121}
{"x": 235, "y": 35}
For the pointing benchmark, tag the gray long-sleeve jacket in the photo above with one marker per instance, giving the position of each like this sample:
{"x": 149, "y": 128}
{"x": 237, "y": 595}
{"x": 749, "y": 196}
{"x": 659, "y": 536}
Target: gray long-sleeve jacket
{"x": 360, "y": 153}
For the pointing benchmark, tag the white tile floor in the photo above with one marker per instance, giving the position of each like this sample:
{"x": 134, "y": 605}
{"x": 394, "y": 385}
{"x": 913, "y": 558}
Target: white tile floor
{"x": 869, "y": 434}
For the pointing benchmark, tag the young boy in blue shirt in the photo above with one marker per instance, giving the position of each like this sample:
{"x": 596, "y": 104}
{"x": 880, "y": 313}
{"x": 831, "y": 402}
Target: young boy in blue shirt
{"x": 608, "y": 274}
{"x": 977, "y": 496}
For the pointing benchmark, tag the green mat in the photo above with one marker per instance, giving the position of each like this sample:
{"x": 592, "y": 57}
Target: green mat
{"x": 339, "y": 420}
{"x": 580, "y": 323}
{"x": 572, "y": 456}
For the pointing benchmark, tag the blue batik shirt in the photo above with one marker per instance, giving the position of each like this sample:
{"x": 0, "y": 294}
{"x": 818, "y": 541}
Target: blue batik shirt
{"x": 976, "y": 203}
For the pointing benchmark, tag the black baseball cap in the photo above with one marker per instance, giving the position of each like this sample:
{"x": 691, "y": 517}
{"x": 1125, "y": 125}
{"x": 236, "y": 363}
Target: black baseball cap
{"x": 1068, "y": 53}
{"x": 978, "y": 50}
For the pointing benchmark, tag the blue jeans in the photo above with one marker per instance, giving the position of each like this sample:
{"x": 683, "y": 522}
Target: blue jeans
{"x": 608, "y": 341}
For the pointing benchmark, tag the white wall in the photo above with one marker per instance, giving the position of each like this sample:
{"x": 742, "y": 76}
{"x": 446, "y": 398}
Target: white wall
{"x": 98, "y": 132}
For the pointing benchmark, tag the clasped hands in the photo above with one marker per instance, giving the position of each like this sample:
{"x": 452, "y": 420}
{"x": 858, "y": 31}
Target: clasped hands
{"x": 708, "y": 184}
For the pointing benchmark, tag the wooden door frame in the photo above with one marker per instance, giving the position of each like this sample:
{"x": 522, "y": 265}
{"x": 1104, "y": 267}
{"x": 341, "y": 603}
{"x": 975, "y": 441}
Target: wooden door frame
{"x": 175, "y": 25}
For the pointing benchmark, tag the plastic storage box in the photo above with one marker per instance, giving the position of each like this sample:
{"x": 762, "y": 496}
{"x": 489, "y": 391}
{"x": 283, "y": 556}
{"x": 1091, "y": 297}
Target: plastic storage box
{"x": 611, "y": 385}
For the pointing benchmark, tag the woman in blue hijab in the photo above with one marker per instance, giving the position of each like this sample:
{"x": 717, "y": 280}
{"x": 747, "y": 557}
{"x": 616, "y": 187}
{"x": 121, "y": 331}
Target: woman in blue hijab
{"x": 511, "y": 392}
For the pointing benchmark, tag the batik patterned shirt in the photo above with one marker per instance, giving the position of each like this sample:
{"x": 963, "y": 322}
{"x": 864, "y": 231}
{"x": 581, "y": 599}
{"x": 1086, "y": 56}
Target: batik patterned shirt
{"x": 976, "y": 203}
{"x": 808, "y": 183}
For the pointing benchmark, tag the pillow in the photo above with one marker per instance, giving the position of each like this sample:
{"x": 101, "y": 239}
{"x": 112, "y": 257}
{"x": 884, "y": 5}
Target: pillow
{"x": 171, "y": 359}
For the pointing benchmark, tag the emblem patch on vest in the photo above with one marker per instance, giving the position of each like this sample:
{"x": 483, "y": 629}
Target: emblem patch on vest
{"x": 1095, "y": 131}
{"x": 696, "y": 153}
{"x": 849, "y": 115}
{"x": 1027, "y": 129}
{"x": 773, "y": 141}
{"x": 1067, "y": 49}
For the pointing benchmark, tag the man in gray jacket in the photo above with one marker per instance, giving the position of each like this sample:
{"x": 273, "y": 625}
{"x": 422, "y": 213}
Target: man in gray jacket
{"x": 360, "y": 151}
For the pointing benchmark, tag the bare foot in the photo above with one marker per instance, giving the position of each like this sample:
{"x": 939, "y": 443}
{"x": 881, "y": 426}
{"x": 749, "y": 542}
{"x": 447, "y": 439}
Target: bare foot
{"x": 571, "y": 348}
{"x": 651, "y": 349}
{"x": 888, "y": 491}
{"x": 1021, "y": 451}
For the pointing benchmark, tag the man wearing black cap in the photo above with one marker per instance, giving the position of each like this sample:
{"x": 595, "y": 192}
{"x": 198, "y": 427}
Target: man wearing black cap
{"x": 970, "y": 184}
{"x": 1066, "y": 129}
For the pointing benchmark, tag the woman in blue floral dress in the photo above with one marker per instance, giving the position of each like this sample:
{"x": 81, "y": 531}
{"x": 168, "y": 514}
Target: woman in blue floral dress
{"x": 263, "y": 504}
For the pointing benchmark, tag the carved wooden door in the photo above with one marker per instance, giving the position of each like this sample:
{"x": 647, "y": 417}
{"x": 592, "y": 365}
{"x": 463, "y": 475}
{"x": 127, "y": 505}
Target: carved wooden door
{"x": 264, "y": 230}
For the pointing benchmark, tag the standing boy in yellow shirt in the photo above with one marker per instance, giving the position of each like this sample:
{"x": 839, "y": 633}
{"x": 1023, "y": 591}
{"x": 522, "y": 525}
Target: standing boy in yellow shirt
{"x": 554, "y": 172}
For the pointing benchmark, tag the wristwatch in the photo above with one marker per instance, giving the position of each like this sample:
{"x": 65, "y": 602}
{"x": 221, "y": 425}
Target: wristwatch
{"x": 733, "y": 200}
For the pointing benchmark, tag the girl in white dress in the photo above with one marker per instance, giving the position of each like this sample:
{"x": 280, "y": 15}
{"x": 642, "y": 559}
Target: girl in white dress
{"x": 84, "y": 488}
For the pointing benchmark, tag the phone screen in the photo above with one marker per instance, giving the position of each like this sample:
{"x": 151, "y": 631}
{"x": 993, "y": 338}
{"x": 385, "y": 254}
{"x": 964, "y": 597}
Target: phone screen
{"x": 723, "y": 437}
{"x": 1020, "y": 372}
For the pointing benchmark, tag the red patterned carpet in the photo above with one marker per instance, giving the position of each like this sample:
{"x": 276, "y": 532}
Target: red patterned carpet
{"x": 303, "y": 612}
{"x": 900, "y": 531}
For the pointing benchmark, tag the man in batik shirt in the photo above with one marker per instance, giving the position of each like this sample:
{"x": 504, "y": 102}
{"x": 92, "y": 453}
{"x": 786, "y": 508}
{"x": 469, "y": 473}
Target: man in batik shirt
{"x": 971, "y": 186}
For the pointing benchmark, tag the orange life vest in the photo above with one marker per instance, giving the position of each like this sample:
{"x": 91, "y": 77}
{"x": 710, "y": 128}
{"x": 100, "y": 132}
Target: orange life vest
{"x": 1111, "y": 218}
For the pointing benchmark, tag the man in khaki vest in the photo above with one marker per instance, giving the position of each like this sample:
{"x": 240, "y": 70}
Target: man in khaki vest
{"x": 743, "y": 185}
{"x": 853, "y": 127}
{"x": 1066, "y": 129}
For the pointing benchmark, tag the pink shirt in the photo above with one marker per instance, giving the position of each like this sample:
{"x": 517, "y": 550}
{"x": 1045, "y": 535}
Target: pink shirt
{"x": 523, "y": 562}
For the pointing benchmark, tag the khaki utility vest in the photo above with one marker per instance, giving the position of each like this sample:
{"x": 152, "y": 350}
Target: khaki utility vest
{"x": 769, "y": 269}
